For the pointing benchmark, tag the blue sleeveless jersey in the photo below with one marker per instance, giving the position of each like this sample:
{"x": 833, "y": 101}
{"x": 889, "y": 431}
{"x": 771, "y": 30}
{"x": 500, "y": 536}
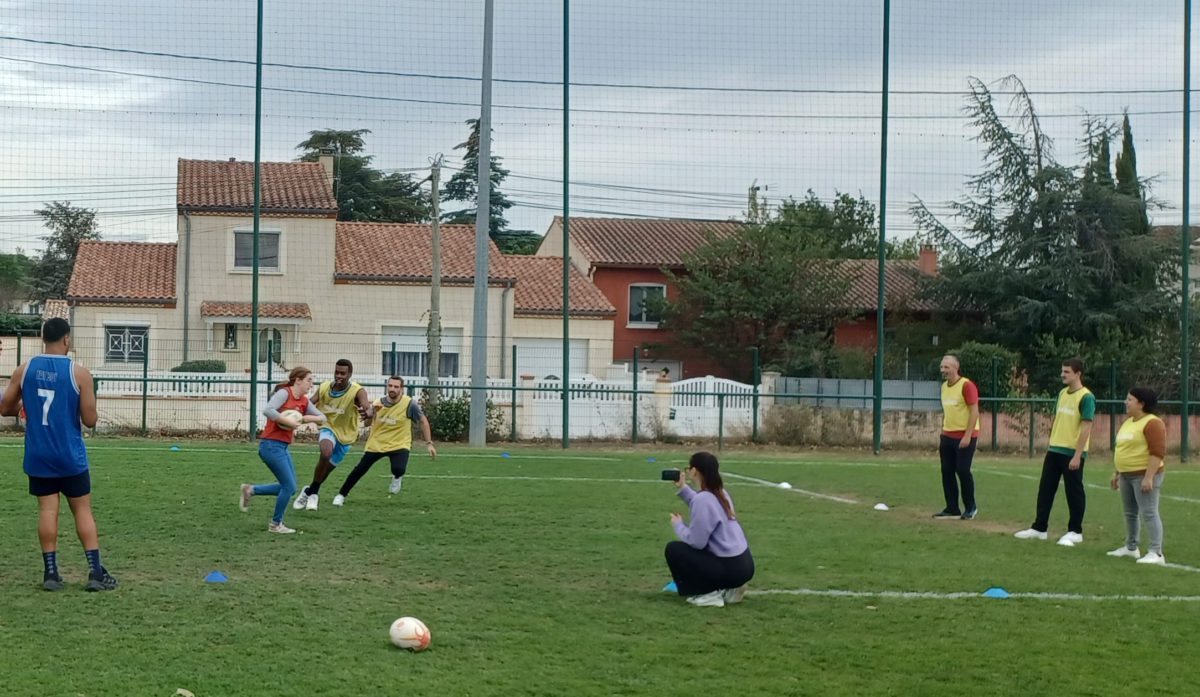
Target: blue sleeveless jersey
{"x": 53, "y": 432}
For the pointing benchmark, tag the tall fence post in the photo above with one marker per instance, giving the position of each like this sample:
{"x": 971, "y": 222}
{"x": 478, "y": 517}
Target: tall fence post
{"x": 392, "y": 360}
{"x": 145, "y": 379}
{"x": 720, "y": 420}
{"x": 1031, "y": 427}
{"x": 19, "y": 342}
{"x": 994, "y": 404}
{"x": 635, "y": 394}
{"x": 1112, "y": 408}
{"x": 754, "y": 399}
{"x": 512, "y": 430}
{"x": 270, "y": 363}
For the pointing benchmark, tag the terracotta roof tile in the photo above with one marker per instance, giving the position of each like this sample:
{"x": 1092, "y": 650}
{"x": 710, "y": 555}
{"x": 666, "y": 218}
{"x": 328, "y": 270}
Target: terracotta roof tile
{"x": 402, "y": 253}
{"x": 901, "y": 288}
{"x": 136, "y": 272}
{"x": 229, "y": 308}
{"x": 288, "y": 188}
{"x": 56, "y": 308}
{"x": 642, "y": 242}
{"x": 539, "y": 288}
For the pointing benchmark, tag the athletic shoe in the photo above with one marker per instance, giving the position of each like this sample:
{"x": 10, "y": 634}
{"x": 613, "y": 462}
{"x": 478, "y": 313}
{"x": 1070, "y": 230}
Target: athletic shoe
{"x": 52, "y": 583}
{"x": 713, "y": 599}
{"x": 733, "y": 596}
{"x": 339, "y": 500}
{"x": 1030, "y": 534}
{"x": 394, "y": 487}
{"x": 1152, "y": 558}
{"x": 102, "y": 581}
{"x": 280, "y": 528}
{"x": 1124, "y": 551}
{"x": 312, "y": 503}
{"x": 970, "y": 514}
{"x": 301, "y": 500}
{"x": 244, "y": 498}
{"x": 1071, "y": 539}
{"x": 946, "y": 514}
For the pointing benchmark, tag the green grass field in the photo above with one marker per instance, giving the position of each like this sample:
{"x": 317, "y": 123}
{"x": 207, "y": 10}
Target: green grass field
{"x": 540, "y": 574}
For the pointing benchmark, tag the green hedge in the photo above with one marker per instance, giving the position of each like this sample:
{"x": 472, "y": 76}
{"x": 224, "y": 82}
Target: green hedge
{"x": 201, "y": 366}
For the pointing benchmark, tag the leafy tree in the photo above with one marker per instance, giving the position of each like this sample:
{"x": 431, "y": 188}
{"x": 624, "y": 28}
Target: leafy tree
{"x": 463, "y": 187}
{"x": 363, "y": 192}
{"x": 15, "y": 270}
{"x": 846, "y": 229}
{"x": 518, "y": 241}
{"x": 69, "y": 226}
{"x": 1048, "y": 249}
{"x": 760, "y": 286}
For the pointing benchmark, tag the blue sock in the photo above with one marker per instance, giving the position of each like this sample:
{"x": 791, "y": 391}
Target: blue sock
{"x": 50, "y": 561}
{"x": 93, "y": 557}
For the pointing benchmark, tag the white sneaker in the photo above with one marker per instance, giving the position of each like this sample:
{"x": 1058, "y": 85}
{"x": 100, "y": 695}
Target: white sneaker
{"x": 280, "y": 528}
{"x": 1124, "y": 551}
{"x": 1070, "y": 539}
{"x": 714, "y": 599}
{"x": 311, "y": 505}
{"x": 1030, "y": 534}
{"x": 394, "y": 487}
{"x": 339, "y": 500}
{"x": 1152, "y": 558}
{"x": 244, "y": 498}
{"x": 301, "y": 500}
{"x": 733, "y": 596}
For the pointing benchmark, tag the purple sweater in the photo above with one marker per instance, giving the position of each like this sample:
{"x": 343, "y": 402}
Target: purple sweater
{"x": 710, "y": 528}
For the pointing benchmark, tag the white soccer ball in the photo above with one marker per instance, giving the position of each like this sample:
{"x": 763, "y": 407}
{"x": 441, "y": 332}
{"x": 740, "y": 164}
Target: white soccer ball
{"x": 292, "y": 414}
{"x": 410, "y": 633}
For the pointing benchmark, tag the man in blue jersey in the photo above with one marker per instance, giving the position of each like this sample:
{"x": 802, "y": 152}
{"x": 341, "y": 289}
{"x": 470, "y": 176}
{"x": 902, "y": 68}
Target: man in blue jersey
{"x": 61, "y": 401}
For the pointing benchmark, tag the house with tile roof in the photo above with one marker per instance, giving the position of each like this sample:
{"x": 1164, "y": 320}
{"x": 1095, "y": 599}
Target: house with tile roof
{"x": 627, "y": 259}
{"x": 328, "y": 289}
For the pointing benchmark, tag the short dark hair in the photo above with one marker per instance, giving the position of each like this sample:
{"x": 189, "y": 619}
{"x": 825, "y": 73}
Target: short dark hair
{"x": 1075, "y": 364}
{"x": 1146, "y": 396}
{"x": 345, "y": 362}
{"x": 396, "y": 377}
{"x": 55, "y": 329}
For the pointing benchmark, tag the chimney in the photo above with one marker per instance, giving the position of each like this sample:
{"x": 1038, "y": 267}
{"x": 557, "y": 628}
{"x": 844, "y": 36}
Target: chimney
{"x": 927, "y": 260}
{"x": 326, "y": 157}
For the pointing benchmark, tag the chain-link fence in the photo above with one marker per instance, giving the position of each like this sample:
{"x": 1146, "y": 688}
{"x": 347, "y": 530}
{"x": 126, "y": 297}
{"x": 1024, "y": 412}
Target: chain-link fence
{"x": 214, "y": 193}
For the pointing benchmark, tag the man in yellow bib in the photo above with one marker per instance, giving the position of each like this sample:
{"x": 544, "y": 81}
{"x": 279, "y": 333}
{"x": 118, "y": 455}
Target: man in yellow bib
{"x": 392, "y": 417}
{"x": 960, "y": 434}
{"x": 343, "y": 402}
{"x": 1069, "y": 438}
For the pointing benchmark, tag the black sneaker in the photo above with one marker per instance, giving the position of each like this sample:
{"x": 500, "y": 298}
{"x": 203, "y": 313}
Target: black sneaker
{"x": 946, "y": 514}
{"x": 100, "y": 582}
{"x": 52, "y": 582}
{"x": 970, "y": 514}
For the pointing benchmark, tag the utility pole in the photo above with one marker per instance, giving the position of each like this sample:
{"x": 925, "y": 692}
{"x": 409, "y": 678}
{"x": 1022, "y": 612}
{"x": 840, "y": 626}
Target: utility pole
{"x": 435, "y": 286}
{"x": 483, "y": 207}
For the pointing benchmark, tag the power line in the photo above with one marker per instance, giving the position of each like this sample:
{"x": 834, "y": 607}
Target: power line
{"x": 557, "y": 83}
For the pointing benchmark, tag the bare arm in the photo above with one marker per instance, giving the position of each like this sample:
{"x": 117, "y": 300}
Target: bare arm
{"x": 88, "y": 414}
{"x": 425, "y": 431}
{"x": 10, "y": 404}
{"x": 364, "y": 406}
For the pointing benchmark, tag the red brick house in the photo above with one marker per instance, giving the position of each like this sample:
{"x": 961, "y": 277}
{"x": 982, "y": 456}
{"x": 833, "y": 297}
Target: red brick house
{"x": 626, "y": 258}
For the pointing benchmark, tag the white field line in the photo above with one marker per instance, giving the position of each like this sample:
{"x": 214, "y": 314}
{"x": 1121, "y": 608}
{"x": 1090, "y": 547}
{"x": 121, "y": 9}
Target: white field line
{"x": 1030, "y": 477}
{"x": 794, "y": 490}
{"x": 928, "y": 595}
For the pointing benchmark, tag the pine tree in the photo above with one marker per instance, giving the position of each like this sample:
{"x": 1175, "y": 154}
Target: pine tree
{"x": 462, "y": 187}
{"x": 363, "y": 192}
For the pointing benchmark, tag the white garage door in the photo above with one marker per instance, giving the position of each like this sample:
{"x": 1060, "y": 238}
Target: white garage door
{"x": 543, "y": 357}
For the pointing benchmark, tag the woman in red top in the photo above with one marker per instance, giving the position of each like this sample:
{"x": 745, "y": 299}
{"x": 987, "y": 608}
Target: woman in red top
{"x": 275, "y": 439}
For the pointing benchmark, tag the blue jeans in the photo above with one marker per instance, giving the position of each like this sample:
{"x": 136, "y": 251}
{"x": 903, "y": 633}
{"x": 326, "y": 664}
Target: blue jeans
{"x": 275, "y": 454}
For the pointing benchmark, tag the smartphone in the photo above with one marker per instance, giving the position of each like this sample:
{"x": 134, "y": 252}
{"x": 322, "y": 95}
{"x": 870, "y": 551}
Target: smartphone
{"x": 670, "y": 475}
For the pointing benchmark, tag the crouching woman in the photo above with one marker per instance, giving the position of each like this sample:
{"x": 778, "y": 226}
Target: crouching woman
{"x": 711, "y": 561}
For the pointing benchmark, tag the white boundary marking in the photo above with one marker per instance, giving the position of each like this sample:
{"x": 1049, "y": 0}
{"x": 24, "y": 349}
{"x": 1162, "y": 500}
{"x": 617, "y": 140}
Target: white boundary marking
{"x": 1185, "y": 499}
{"x": 929, "y": 595}
{"x": 775, "y": 485}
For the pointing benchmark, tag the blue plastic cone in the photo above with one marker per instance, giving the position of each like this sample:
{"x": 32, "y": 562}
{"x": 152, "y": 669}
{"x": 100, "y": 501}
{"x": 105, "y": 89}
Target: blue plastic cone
{"x": 216, "y": 577}
{"x": 175, "y": 448}
{"x": 651, "y": 459}
{"x": 995, "y": 592}
{"x": 670, "y": 588}
{"x": 505, "y": 455}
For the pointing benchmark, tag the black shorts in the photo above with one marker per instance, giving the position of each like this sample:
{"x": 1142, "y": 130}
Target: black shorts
{"x": 72, "y": 487}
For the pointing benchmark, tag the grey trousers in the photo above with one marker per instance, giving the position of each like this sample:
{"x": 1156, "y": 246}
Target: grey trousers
{"x": 1141, "y": 507}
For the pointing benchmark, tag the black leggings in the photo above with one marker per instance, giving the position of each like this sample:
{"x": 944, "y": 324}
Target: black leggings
{"x": 697, "y": 571}
{"x": 398, "y": 458}
{"x": 956, "y": 467}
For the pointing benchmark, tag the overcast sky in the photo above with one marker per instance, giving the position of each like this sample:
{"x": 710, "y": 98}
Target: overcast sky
{"x": 677, "y": 106}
